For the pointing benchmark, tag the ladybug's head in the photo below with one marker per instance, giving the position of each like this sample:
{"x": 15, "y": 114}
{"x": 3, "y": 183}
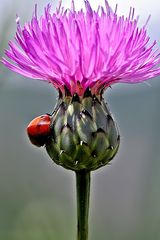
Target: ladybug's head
{"x": 39, "y": 130}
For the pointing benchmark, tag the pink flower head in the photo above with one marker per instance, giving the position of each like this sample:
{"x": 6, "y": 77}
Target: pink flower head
{"x": 83, "y": 49}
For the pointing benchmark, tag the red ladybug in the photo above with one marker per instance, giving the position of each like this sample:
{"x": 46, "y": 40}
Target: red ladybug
{"x": 39, "y": 130}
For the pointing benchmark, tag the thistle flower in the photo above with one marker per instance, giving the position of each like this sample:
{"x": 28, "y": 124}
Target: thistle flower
{"x": 81, "y": 53}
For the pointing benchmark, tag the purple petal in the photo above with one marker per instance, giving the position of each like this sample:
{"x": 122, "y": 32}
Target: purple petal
{"x": 86, "y": 48}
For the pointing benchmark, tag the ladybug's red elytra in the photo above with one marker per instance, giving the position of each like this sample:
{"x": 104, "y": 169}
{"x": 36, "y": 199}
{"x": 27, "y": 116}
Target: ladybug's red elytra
{"x": 39, "y": 129}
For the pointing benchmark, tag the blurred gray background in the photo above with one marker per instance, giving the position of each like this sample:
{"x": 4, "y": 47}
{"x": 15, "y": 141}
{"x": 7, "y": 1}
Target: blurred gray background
{"x": 37, "y": 198}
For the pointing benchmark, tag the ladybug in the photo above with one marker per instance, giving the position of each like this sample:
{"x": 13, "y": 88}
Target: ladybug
{"x": 39, "y": 130}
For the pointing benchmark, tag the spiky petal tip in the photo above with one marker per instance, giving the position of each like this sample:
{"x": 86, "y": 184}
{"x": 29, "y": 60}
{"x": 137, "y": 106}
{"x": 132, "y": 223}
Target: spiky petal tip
{"x": 81, "y": 49}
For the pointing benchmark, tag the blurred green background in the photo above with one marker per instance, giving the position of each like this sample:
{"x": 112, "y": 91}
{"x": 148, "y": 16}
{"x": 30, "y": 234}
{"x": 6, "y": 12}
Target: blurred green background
{"x": 37, "y": 198}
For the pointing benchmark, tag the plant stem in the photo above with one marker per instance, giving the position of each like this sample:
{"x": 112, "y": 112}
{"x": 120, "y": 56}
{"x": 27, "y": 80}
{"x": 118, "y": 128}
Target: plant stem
{"x": 83, "y": 195}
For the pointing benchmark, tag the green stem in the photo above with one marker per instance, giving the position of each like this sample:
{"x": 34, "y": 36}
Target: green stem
{"x": 83, "y": 195}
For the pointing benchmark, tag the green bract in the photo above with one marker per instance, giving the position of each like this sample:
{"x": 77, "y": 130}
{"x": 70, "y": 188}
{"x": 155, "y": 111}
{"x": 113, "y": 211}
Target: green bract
{"x": 84, "y": 135}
